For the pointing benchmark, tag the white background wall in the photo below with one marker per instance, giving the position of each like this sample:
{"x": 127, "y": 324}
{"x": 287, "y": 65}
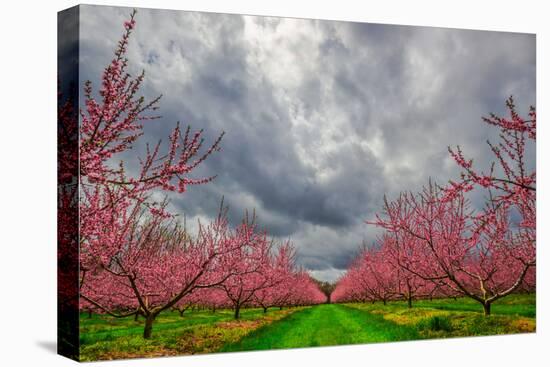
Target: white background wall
{"x": 28, "y": 182}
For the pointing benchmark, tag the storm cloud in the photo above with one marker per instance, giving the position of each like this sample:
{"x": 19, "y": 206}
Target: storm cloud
{"x": 321, "y": 118}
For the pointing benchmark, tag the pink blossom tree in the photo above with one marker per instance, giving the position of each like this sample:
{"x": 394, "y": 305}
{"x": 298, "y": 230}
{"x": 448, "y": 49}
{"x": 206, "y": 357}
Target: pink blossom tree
{"x": 133, "y": 257}
{"x": 345, "y": 288}
{"x": 408, "y": 286}
{"x": 110, "y": 123}
{"x": 252, "y": 268}
{"x": 281, "y": 273}
{"x": 305, "y": 291}
{"x": 510, "y": 175}
{"x": 443, "y": 241}
{"x": 437, "y": 244}
{"x": 156, "y": 264}
{"x": 509, "y": 183}
{"x": 376, "y": 276}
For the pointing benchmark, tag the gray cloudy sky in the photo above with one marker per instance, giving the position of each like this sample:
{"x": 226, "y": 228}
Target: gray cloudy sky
{"x": 321, "y": 117}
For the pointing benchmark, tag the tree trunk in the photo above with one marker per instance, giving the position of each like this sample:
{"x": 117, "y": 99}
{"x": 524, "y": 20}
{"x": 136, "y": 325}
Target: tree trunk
{"x": 149, "y": 319}
{"x": 136, "y": 316}
{"x": 409, "y": 301}
{"x": 181, "y": 312}
{"x": 89, "y": 314}
{"x": 384, "y": 300}
{"x": 237, "y": 312}
{"x": 265, "y": 309}
{"x": 280, "y": 307}
{"x": 487, "y": 309}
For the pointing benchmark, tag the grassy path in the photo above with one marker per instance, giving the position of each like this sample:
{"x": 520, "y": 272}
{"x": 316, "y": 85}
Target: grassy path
{"x": 321, "y": 326}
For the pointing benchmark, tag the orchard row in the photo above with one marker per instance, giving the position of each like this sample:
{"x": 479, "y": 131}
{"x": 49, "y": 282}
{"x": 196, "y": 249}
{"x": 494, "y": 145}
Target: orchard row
{"x": 436, "y": 243}
{"x": 135, "y": 257}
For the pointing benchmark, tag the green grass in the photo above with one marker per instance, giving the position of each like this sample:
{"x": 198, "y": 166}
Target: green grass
{"x": 461, "y": 317}
{"x": 103, "y": 337}
{"x": 517, "y": 304}
{"x": 324, "y": 325}
{"x": 436, "y": 323}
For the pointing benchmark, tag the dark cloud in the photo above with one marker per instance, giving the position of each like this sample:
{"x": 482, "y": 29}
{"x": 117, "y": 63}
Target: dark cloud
{"x": 321, "y": 118}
